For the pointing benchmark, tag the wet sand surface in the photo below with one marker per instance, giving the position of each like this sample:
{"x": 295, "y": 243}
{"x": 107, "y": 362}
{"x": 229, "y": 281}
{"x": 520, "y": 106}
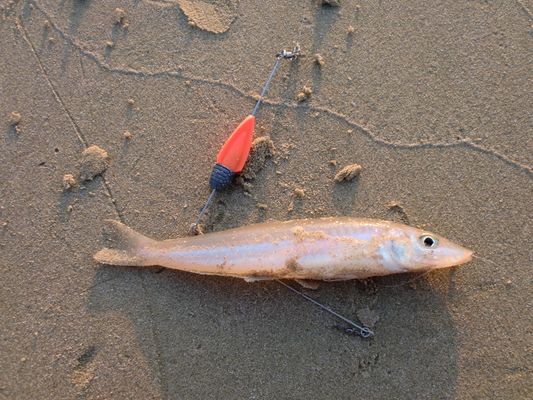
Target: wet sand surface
{"x": 431, "y": 99}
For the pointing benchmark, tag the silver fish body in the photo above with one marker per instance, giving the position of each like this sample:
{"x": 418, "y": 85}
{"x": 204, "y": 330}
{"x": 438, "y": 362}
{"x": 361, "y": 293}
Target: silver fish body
{"x": 338, "y": 248}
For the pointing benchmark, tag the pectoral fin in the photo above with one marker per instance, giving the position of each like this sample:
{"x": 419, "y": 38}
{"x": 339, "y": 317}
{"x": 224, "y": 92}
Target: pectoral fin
{"x": 308, "y": 283}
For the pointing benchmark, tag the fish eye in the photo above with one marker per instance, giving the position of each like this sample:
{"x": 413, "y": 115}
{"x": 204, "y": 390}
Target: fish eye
{"x": 429, "y": 241}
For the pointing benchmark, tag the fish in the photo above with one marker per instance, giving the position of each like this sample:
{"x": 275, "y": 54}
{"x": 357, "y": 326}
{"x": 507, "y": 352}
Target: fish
{"x": 304, "y": 250}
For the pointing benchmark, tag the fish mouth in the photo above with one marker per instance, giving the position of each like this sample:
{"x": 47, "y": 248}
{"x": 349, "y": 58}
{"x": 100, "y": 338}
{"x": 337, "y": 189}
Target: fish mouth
{"x": 464, "y": 256}
{"x": 459, "y": 257}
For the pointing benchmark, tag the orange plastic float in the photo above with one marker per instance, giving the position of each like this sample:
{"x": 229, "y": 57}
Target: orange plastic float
{"x": 235, "y": 151}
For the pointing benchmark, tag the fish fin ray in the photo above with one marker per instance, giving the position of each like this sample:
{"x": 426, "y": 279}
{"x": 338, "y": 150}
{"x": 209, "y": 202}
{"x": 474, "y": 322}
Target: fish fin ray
{"x": 308, "y": 283}
{"x": 125, "y": 246}
{"x": 251, "y": 279}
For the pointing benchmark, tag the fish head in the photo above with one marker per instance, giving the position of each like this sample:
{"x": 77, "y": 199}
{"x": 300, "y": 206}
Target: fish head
{"x": 414, "y": 250}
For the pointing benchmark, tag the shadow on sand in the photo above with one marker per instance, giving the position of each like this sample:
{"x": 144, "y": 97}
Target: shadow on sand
{"x": 223, "y": 338}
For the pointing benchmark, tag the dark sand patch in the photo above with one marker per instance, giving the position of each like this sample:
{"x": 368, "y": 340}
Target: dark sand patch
{"x": 84, "y": 372}
{"x": 331, "y": 3}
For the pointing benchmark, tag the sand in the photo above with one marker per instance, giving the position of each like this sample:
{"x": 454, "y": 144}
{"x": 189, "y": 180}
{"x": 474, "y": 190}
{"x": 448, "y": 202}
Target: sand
{"x": 262, "y": 149}
{"x": 432, "y": 98}
{"x": 213, "y": 16}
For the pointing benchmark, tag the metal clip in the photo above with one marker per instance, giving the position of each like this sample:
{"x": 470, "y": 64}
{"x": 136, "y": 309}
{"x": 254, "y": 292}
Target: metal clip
{"x": 290, "y": 54}
{"x": 362, "y": 331}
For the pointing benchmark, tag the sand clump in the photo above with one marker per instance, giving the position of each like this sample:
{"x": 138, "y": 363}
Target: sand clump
{"x": 247, "y": 187}
{"x": 196, "y": 229}
{"x": 299, "y": 193}
{"x": 15, "y": 118}
{"x": 213, "y": 16}
{"x": 348, "y": 173}
{"x": 397, "y": 211}
{"x": 395, "y": 206}
{"x": 319, "y": 59}
{"x": 81, "y": 378}
{"x": 304, "y": 94}
{"x": 69, "y": 181}
{"x": 262, "y": 149}
{"x": 94, "y": 162}
{"x": 120, "y": 18}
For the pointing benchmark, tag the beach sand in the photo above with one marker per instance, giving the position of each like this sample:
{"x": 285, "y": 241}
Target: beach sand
{"x": 431, "y": 98}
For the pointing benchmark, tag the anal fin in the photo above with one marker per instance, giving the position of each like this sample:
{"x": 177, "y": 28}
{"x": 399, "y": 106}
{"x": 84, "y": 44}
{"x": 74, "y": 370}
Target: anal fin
{"x": 251, "y": 279}
{"x": 308, "y": 283}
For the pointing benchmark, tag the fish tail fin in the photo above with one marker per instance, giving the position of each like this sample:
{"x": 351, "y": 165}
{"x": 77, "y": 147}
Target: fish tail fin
{"x": 126, "y": 246}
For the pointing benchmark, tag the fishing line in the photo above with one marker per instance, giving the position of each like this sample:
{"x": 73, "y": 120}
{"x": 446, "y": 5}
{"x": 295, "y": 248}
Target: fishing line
{"x": 231, "y": 160}
{"x": 485, "y": 259}
{"x": 234, "y": 153}
{"x": 362, "y": 331}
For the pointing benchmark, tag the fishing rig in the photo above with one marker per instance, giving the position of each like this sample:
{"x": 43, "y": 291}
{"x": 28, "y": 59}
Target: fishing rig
{"x": 234, "y": 153}
{"x": 231, "y": 160}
